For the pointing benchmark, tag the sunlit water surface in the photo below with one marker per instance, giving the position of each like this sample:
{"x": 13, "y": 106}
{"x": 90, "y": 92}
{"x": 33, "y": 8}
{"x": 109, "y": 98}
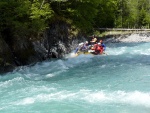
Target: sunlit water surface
{"x": 118, "y": 82}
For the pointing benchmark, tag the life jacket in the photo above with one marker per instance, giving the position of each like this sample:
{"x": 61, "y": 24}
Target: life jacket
{"x": 97, "y": 49}
{"x": 101, "y": 49}
{"x": 94, "y": 47}
{"x": 104, "y": 46}
{"x": 93, "y": 41}
{"x": 84, "y": 47}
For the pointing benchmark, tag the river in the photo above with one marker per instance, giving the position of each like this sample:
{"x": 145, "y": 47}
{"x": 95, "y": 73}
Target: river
{"x": 118, "y": 82}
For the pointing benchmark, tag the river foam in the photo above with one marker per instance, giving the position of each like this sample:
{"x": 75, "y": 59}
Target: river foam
{"x": 135, "y": 98}
{"x": 115, "y": 83}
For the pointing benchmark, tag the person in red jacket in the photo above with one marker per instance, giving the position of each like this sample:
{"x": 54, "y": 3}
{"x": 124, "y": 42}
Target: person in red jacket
{"x": 98, "y": 49}
{"x": 103, "y": 46}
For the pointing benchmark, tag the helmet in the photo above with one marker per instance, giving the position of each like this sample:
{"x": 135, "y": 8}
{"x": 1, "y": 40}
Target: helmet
{"x": 86, "y": 42}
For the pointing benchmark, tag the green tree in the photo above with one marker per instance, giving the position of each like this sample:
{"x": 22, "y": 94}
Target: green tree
{"x": 80, "y": 13}
{"x": 143, "y": 8}
{"x": 137, "y": 13}
{"x": 40, "y": 13}
{"x": 106, "y": 14}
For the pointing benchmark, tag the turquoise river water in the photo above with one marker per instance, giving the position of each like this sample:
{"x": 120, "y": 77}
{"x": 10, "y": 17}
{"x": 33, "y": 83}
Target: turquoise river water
{"x": 118, "y": 82}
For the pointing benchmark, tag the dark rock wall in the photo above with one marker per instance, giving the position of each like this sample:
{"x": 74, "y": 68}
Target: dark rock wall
{"x": 6, "y": 57}
{"x": 58, "y": 39}
{"x": 54, "y": 42}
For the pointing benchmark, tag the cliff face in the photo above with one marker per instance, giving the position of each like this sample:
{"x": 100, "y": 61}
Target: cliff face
{"x": 57, "y": 40}
{"x": 6, "y": 57}
{"x": 54, "y": 42}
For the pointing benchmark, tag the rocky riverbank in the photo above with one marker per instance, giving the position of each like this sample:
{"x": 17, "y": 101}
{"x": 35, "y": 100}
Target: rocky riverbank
{"x": 54, "y": 42}
{"x": 128, "y": 38}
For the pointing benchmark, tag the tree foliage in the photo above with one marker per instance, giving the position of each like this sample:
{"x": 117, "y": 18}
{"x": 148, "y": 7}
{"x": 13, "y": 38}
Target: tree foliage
{"x": 33, "y": 16}
{"x": 80, "y": 13}
{"x": 106, "y": 14}
{"x": 40, "y": 13}
{"x": 134, "y": 14}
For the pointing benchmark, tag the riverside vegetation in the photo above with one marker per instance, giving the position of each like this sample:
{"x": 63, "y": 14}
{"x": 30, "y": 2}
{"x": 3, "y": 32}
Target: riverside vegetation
{"x": 34, "y": 30}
